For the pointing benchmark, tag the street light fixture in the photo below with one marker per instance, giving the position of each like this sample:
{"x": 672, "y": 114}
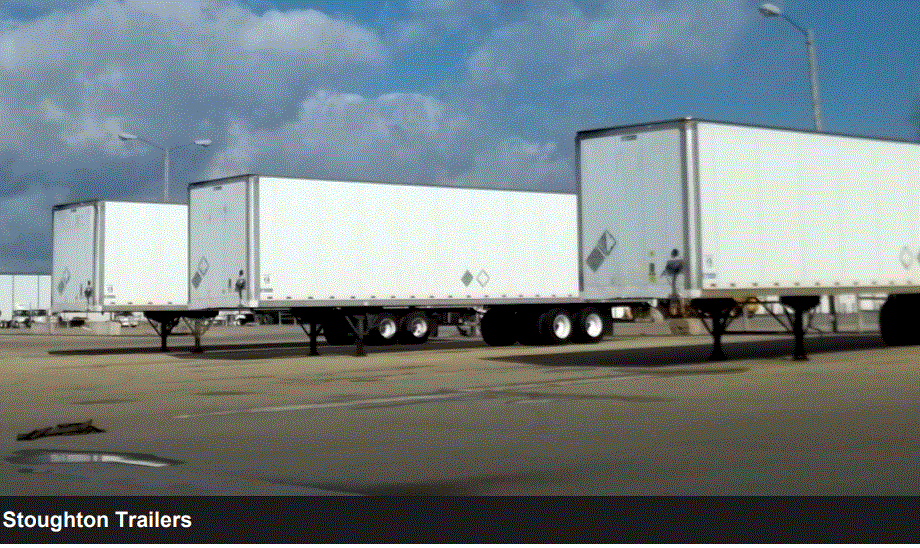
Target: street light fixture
{"x": 199, "y": 142}
{"x": 772, "y": 10}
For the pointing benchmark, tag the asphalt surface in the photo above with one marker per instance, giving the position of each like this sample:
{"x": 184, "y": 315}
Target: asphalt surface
{"x": 632, "y": 415}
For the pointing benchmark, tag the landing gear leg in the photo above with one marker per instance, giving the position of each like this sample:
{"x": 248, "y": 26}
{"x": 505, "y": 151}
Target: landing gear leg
{"x": 721, "y": 313}
{"x": 304, "y": 319}
{"x": 163, "y": 324}
{"x": 359, "y": 344}
{"x": 359, "y": 324}
{"x": 799, "y": 306}
{"x": 199, "y": 325}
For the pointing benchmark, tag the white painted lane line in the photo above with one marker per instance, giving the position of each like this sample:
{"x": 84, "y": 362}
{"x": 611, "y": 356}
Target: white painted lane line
{"x": 478, "y": 393}
{"x": 296, "y": 346}
{"x": 333, "y": 405}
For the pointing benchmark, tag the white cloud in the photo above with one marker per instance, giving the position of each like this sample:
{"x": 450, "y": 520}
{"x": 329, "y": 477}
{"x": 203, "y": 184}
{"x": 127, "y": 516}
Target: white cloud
{"x": 561, "y": 40}
{"x": 427, "y": 19}
{"x": 158, "y": 64}
{"x": 328, "y": 41}
{"x": 236, "y": 155}
{"x": 520, "y": 164}
{"x": 407, "y": 138}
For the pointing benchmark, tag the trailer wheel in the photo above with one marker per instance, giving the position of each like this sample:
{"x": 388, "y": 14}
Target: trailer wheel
{"x": 590, "y": 325}
{"x": 894, "y": 321}
{"x": 337, "y": 331}
{"x": 415, "y": 328}
{"x": 498, "y": 327}
{"x": 556, "y": 326}
{"x": 386, "y": 329}
{"x": 529, "y": 327}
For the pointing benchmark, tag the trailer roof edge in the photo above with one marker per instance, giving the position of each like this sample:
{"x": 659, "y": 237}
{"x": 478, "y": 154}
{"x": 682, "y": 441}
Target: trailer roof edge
{"x": 601, "y": 131}
{"x": 244, "y": 176}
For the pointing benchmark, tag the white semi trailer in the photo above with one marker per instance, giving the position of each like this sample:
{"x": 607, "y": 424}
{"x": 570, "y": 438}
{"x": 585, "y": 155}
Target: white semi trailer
{"x": 748, "y": 211}
{"x": 24, "y": 298}
{"x": 707, "y": 211}
{"x": 120, "y": 256}
{"x": 386, "y": 260}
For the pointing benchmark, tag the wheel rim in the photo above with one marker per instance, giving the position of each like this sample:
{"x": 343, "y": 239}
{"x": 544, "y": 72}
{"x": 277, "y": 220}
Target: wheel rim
{"x": 594, "y": 325}
{"x": 387, "y": 328}
{"x": 562, "y": 326}
{"x": 418, "y": 328}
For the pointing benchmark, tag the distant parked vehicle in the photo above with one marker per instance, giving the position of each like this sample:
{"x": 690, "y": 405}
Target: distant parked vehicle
{"x": 127, "y": 319}
{"x": 25, "y": 318}
{"x": 244, "y": 318}
{"x": 23, "y": 291}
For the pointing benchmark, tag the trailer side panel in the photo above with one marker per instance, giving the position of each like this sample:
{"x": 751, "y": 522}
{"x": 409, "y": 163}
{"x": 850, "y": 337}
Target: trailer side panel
{"x": 323, "y": 243}
{"x": 144, "y": 252}
{"x": 785, "y": 211}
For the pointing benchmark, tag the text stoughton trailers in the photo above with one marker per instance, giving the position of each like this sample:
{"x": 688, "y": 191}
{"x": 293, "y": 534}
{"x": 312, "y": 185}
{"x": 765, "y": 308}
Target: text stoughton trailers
{"x": 118, "y": 256}
{"x": 750, "y": 211}
{"x": 356, "y": 256}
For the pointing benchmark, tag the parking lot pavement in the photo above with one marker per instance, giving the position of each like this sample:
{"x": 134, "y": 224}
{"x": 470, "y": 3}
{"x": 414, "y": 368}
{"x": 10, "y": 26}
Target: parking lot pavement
{"x": 631, "y": 415}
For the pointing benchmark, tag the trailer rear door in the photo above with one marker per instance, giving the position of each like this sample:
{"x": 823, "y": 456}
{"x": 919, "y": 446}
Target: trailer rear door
{"x": 74, "y": 258}
{"x": 218, "y": 228}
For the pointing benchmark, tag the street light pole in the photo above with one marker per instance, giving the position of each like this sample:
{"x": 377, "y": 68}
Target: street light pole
{"x": 204, "y": 143}
{"x": 772, "y": 10}
{"x": 166, "y": 176}
{"x": 813, "y": 76}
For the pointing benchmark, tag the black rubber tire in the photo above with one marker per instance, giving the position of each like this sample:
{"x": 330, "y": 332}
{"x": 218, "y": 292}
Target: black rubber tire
{"x": 529, "y": 327}
{"x": 385, "y": 331}
{"x": 337, "y": 331}
{"x": 407, "y": 324}
{"x": 498, "y": 327}
{"x": 585, "y": 331}
{"x": 548, "y": 333}
{"x": 894, "y": 320}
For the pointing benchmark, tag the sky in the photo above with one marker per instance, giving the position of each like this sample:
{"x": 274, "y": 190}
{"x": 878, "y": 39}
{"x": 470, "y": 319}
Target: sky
{"x": 482, "y": 93}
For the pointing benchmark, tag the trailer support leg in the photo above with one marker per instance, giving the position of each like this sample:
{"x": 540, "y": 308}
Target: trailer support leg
{"x": 197, "y": 348}
{"x": 359, "y": 343}
{"x": 799, "y": 305}
{"x": 358, "y": 323}
{"x": 199, "y": 325}
{"x": 163, "y": 324}
{"x": 303, "y": 320}
{"x": 314, "y": 333}
{"x": 721, "y": 313}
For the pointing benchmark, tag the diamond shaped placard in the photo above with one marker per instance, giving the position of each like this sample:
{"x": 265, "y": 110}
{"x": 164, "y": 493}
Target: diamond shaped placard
{"x": 906, "y": 257}
{"x": 65, "y": 277}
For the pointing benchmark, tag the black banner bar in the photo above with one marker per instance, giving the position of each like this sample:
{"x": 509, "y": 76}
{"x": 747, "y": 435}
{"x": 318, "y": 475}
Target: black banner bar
{"x": 375, "y": 520}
